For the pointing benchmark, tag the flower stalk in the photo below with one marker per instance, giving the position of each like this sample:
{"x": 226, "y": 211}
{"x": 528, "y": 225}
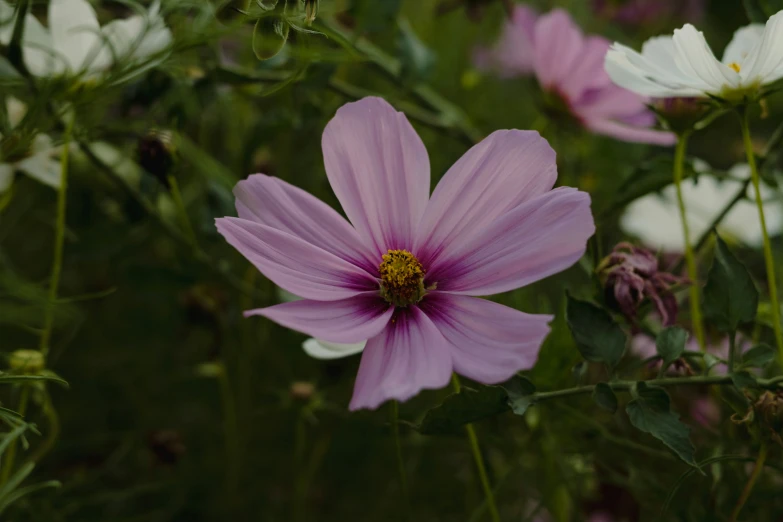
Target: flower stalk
{"x": 769, "y": 259}
{"x": 395, "y": 426}
{"x": 690, "y": 259}
{"x": 482, "y": 470}
{"x": 757, "y": 468}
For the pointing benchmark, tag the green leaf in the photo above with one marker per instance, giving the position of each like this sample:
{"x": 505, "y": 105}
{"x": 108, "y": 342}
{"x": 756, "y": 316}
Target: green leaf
{"x": 755, "y": 11}
{"x": 520, "y": 394}
{"x": 373, "y": 16}
{"x": 744, "y": 380}
{"x": 7, "y": 378}
{"x": 730, "y": 297}
{"x": 269, "y": 36}
{"x": 597, "y": 336}
{"x": 650, "y": 412}
{"x": 417, "y": 61}
{"x": 605, "y": 397}
{"x": 758, "y": 357}
{"x": 670, "y": 344}
{"x": 463, "y": 408}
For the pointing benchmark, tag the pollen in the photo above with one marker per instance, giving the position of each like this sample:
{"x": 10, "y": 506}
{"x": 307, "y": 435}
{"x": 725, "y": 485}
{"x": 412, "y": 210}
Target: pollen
{"x": 735, "y": 66}
{"x": 402, "y": 278}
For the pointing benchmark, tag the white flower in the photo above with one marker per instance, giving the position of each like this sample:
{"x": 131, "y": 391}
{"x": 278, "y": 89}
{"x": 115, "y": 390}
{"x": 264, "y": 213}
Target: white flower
{"x": 36, "y": 158}
{"x": 317, "y": 348}
{"x": 76, "y": 44}
{"x": 684, "y": 65}
{"x": 655, "y": 219}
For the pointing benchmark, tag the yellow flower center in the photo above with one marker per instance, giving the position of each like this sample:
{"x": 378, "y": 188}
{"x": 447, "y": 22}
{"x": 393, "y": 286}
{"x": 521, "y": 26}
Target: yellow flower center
{"x": 402, "y": 278}
{"x": 735, "y": 66}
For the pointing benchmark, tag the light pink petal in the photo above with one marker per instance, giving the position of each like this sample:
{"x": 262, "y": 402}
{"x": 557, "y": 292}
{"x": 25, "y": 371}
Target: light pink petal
{"x": 558, "y": 45}
{"x": 537, "y": 239}
{"x": 409, "y": 355}
{"x": 506, "y": 169}
{"x": 277, "y": 204}
{"x": 630, "y": 133}
{"x": 490, "y": 342}
{"x": 346, "y": 321}
{"x": 379, "y": 170}
{"x": 294, "y": 264}
{"x": 611, "y": 102}
{"x": 587, "y": 71}
{"x": 513, "y": 52}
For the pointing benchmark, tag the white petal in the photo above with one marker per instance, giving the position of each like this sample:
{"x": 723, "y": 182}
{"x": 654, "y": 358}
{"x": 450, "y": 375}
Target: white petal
{"x": 15, "y": 110}
{"x": 6, "y": 176}
{"x": 43, "y": 168}
{"x": 76, "y": 35}
{"x": 630, "y": 70}
{"x": 325, "y": 350}
{"x": 6, "y": 22}
{"x": 766, "y": 63}
{"x": 744, "y": 42}
{"x": 695, "y": 58}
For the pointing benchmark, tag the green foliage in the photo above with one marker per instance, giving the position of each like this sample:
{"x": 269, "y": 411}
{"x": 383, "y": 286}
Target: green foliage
{"x": 670, "y": 344}
{"x": 605, "y": 397}
{"x": 598, "y": 337}
{"x": 758, "y": 356}
{"x": 650, "y": 411}
{"x": 269, "y": 36}
{"x": 730, "y": 296}
{"x": 464, "y": 407}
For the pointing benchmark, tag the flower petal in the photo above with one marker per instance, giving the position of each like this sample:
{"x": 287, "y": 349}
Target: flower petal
{"x": 506, "y": 169}
{"x": 41, "y": 167}
{"x": 587, "y": 72}
{"x": 695, "y": 58}
{"x": 277, "y": 204}
{"x": 490, "y": 342}
{"x": 513, "y": 53}
{"x": 138, "y": 36}
{"x": 558, "y": 45}
{"x": 320, "y": 349}
{"x": 405, "y": 358}
{"x": 379, "y": 170}
{"x": 350, "y": 320}
{"x": 766, "y": 60}
{"x": 630, "y": 133}
{"x": 744, "y": 44}
{"x": 294, "y": 264}
{"x": 537, "y": 239}
{"x": 76, "y": 34}
{"x": 632, "y": 71}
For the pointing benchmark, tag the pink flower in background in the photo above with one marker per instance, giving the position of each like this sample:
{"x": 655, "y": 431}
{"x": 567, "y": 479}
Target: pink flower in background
{"x": 649, "y": 12}
{"x": 404, "y": 272}
{"x": 570, "y": 67}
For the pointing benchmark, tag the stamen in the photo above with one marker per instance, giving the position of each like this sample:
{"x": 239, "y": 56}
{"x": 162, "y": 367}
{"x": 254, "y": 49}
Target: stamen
{"x": 402, "y": 278}
{"x": 735, "y": 66}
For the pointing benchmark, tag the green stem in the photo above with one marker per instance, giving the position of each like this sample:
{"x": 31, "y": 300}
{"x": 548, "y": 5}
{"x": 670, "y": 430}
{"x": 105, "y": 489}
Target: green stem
{"x": 8, "y": 460}
{"x": 474, "y": 446}
{"x": 176, "y": 195}
{"x": 59, "y": 241}
{"x": 690, "y": 259}
{"x": 53, "y": 430}
{"x": 395, "y": 426}
{"x": 768, "y": 257}
{"x": 229, "y": 432}
{"x": 757, "y": 469}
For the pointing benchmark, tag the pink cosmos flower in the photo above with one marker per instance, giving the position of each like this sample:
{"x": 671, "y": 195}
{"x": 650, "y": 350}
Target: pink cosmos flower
{"x": 404, "y": 272}
{"x": 570, "y": 67}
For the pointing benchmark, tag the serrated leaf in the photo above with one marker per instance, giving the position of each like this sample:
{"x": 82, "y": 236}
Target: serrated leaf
{"x": 743, "y": 380}
{"x": 730, "y": 297}
{"x": 598, "y": 337}
{"x": 758, "y": 357}
{"x": 605, "y": 397}
{"x": 269, "y": 36}
{"x": 651, "y": 413}
{"x": 670, "y": 344}
{"x": 462, "y": 408}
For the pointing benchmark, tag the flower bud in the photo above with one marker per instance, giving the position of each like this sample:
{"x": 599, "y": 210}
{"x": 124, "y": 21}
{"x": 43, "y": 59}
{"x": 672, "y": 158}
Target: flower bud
{"x": 681, "y": 114}
{"x": 311, "y": 10}
{"x": 630, "y": 275}
{"x": 769, "y": 409}
{"x": 157, "y": 154}
{"x": 27, "y": 361}
{"x": 302, "y": 390}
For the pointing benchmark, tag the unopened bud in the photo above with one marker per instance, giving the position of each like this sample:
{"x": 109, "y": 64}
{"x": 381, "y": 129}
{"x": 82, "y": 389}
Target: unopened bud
{"x": 770, "y": 411}
{"x": 311, "y": 11}
{"x": 681, "y": 114}
{"x": 27, "y": 361}
{"x": 157, "y": 154}
{"x": 302, "y": 390}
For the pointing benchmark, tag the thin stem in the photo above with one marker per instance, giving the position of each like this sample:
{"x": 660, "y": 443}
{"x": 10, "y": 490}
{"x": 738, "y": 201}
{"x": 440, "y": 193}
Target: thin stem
{"x": 395, "y": 426}
{"x": 8, "y": 464}
{"x": 229, "y": 431}
{"x": 176, "y": 195}
{"x": 59, "y": 241}
{"x": 690, "y": 260}
{"x": 732, "y": 350}
{"x": 768, "y": 257}
{"x": 758, "y": 467}
{"x": 474, "y": 446}
{"x": 53, "y": 430}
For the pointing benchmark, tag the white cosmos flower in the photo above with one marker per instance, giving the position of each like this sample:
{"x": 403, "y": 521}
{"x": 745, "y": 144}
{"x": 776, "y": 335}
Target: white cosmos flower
{"x": 38, "y": 161}
{"x": 655, "y": 219}
{"x": 683, "y": 64}
{"x": 318, "y": 348}
{"x": 76, "y": 44}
